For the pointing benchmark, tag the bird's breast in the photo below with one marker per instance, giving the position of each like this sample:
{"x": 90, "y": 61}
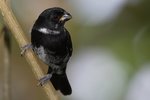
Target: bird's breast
{"x": 54, "y": 43}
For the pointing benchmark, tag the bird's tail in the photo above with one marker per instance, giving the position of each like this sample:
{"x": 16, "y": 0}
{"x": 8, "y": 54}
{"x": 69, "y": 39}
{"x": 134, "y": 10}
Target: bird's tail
{"x": 60, "y": 82}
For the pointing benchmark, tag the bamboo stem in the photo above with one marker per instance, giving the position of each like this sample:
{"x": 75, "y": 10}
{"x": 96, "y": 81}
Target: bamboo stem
{"x": 6, "y": 88}
{"x": 7, "y": 67}
{"x": 18, "y": 33}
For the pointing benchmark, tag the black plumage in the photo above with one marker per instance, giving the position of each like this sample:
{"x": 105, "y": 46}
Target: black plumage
{"x": 52, "y": 43}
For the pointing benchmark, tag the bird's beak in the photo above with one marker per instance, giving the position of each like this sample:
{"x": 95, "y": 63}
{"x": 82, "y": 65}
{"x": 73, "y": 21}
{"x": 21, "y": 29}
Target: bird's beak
{"x": 65, "y": 17}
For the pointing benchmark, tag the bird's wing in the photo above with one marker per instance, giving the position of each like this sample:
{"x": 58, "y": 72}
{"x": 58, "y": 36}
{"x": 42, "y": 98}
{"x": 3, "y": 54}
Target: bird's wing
{"x": 69, "y": 43}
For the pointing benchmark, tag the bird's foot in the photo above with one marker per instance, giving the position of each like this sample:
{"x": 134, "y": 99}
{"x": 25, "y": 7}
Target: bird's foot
{"x": 24, "y": 48}
{"x": 44, "y": 79}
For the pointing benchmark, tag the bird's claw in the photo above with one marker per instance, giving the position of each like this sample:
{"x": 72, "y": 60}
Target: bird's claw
{"x": 44, "y": 79}
{"x": 24, "y": 48}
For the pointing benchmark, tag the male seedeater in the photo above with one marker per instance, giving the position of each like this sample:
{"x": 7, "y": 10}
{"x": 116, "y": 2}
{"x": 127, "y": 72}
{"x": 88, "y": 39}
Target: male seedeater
{"x": 52, "y": 43}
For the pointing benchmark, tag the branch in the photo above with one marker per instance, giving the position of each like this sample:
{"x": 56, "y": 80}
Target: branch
{"x": 7, "y": 65}
{"x": 18, "y": 33}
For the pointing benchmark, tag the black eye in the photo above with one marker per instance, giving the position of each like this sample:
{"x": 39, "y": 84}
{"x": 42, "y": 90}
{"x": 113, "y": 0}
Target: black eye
{"x": 57, "y": 17}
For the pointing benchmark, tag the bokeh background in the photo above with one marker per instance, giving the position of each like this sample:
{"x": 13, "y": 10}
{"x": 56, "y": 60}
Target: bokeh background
{"x": 111, "y": 58}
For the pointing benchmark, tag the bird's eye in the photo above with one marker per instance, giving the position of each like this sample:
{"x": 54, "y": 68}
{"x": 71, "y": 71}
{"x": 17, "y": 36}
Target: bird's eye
{"x": 56, "y": 17}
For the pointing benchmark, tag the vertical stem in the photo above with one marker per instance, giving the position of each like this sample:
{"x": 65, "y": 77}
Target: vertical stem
{"x": 7, "y": 76}
{"x": 7, "y": 67}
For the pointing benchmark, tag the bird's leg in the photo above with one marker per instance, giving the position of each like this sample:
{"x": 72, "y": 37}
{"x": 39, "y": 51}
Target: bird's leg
{"x": 24, "y": 48}
{"x": 44, "y": 79}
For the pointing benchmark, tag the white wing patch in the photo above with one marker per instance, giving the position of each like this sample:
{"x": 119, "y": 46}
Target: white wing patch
{"x": 41, "y": 53}
{"x": 48, "y": 31}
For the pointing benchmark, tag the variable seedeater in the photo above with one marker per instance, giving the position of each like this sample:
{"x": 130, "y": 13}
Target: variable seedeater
{"x": 52, "y": 43}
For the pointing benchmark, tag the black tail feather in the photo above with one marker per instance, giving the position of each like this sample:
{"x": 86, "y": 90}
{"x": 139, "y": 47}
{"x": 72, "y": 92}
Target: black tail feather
{"x": 60, "y": 82}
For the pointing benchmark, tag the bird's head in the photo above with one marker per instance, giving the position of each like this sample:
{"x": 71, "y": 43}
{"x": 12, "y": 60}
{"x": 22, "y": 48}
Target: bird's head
{"x": 54, "y": 17}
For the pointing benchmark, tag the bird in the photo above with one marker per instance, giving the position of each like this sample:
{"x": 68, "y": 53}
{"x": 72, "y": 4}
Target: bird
{"x": 52, "y": 43}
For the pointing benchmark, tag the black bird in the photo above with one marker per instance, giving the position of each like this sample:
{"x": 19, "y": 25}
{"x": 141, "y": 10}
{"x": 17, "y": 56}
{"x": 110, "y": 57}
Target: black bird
{"x": 51, "y": 41}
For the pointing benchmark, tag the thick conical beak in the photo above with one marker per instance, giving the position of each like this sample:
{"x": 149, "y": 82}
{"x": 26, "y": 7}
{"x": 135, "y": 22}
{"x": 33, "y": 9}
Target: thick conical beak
{"x": 65, "y": 17}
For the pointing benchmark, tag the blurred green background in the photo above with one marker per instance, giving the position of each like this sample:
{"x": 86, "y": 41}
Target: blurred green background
{"x": 111, "y": 41}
